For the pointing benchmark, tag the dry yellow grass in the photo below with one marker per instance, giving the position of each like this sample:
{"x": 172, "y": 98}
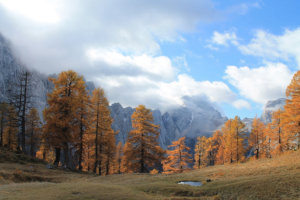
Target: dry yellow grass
{"x": 277, "y": 178}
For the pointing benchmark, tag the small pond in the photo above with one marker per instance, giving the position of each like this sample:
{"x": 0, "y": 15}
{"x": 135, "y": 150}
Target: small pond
{"x": 191, "y": 183}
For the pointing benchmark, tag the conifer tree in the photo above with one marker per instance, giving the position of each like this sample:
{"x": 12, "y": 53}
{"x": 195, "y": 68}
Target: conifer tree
{"x": 118, "y": 158}
{"x": 61, "y": 114}
{"x": 219, "y": 146}
{"x": 239, "y": 138}
{"x": 229, "y": 140}
{"x": 11, "y": 129}
{"x": 292, "y": 114}
{"x": 82, "y": 123}
{"x": 143, "y": 140}
{"x": 200, "y": 151}
{"x": 33, "y": 130}
{"x": 109, "y": 152}
{"x": 101, "y": 122}
{"x": 3, "y": 118}
{"x": 276, "y": 131}
{"x": 178, "y": 157}
{"x": 256, "y": 138}
{"x": 126, "y": 164}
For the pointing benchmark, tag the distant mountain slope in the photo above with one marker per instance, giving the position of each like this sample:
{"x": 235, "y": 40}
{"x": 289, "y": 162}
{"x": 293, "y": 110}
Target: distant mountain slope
{"x": 270, "y": 107}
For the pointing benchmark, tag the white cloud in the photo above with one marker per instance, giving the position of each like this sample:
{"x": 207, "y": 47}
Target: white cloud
{"x": 131, "y": 81}
{"x": 240, "y": 104}
{"x": 224, "y": 38}
{"x": 274, "y": 47}
{"x": 115, "y": 62}
{"x": 260, "y": 84}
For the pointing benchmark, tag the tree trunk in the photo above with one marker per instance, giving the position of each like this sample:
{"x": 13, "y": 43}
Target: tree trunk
{"x": 81, "y": 144}
{"x": 24, "y": 107}
{"x": 1, "y": 129}
{"x": 57, "y": 156}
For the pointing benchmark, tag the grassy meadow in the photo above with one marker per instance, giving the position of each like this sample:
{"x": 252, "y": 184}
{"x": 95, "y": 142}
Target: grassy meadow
{"x": 276, "y": 178}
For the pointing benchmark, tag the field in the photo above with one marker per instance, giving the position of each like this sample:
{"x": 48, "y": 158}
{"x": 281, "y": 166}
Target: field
{"x": 277, "y": 178}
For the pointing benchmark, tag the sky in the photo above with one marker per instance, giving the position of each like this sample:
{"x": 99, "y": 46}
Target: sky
{"x": 235, "y": 54}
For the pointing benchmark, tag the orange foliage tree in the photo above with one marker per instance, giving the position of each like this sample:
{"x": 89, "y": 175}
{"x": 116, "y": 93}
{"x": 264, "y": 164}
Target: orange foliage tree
{"x": 292, "y": 114}
{"x": 143, "y": 150}
{"x": 200, "y": 152}
{"x": 61, "y": 114}
{"x": 256, "y": 138}
{"x": 178, "y": 157}
{"x": 101, "y": 121}
{"x": 33, "y": 130}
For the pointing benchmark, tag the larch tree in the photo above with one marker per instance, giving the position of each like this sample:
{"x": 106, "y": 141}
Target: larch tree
{"x": 3, "y": 118}
{"x": 143, "y": 139}
{"x": 126, "y": 164}
{"x": 101, "y": 122}
{"x": 292, "y": 113}
{"x": 239, "y": 137}
{"x": 82, "y": 123}
{"x": 276, "y": 132}
{"x": 11, "y": 129}
{"x": 268, "y": 142}
{"x": 109, "y": 151}
{"x": 33, "y": 130}
{"x": 178, "y": 157}
{"x": 256, "y": 138}
{"x": 61, "y": 114}
{"x": 229, "y": 140}
{"x": 219, "y": 146}
{"x": 118, "y": 158}
{"x": 200, "y": 152}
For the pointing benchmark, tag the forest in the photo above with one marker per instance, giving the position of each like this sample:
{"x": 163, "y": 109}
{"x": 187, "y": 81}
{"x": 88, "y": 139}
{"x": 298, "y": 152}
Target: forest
{"x": 75, "y": 132}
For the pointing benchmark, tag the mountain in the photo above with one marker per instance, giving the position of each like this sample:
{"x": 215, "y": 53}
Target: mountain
{"x": 270, "y": 107}
{"x": 196, "y": 118}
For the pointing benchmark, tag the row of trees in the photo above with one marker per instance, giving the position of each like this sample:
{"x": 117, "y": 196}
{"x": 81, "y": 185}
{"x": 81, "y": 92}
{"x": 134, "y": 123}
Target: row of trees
{"x": 77, "y": 134}
{"x": 232, "y": 144}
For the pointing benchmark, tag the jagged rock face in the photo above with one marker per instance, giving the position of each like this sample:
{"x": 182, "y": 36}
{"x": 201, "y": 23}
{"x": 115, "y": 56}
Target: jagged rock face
{"x": 189, "y": 121}
{"x": 270, "y": 107}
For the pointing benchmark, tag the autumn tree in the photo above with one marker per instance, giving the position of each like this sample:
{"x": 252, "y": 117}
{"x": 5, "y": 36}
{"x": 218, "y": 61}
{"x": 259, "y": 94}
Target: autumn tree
{"x": 33, "y": 130}
{"x": 61, "y": 114}
{"x": 239, "y": 138}
{"x": 3, "y": 118}
{"x": 11, "y": 129}
{"x": 20, "y": 96}
{"x": 178, "y": 157}
{"x": 118, "y": 158}
{"x": 126, "y": 164}
{"x": 256, "y": 138}
{"x": 219, "y": 147}
{"x": 292, "y": 113}
{"x": 268, "y": 141}
{"x": 82, "y": 117}
{"x": 228, "y": 141}
{"x": 101, "y": 122}
{"x": 200, "y": 152}
{"x": 144, "y": 150}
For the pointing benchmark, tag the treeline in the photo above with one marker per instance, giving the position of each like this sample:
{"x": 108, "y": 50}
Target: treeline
{"x": 231, "y": 144}
{"x": 76, "y": 133}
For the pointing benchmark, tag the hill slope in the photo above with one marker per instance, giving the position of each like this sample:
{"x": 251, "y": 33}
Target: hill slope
{"x": 277, "y": 178}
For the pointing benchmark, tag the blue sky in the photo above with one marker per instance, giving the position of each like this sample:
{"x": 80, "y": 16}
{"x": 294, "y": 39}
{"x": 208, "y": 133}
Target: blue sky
{"x": 235, "y": 54}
